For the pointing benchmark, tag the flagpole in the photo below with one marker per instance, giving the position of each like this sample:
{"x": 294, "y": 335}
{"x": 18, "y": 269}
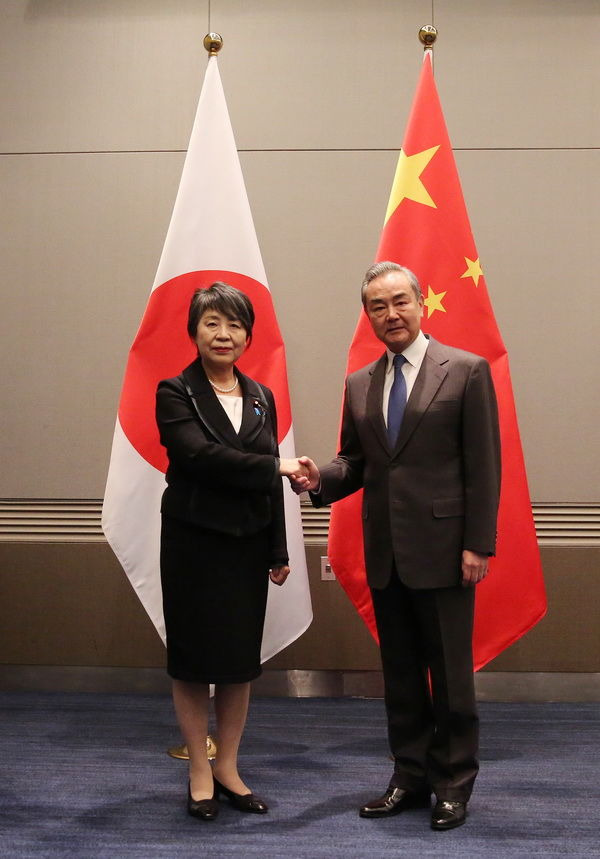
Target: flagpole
{"x": 213, "y": 42}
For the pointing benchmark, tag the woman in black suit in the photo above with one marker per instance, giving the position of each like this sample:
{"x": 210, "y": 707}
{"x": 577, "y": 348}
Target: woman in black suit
{"x": 222, "y": 538}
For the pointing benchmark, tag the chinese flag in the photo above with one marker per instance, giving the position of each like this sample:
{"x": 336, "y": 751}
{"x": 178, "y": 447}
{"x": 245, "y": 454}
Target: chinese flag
{"x": 427, "y": 229}
{"x": 211, "y": 237}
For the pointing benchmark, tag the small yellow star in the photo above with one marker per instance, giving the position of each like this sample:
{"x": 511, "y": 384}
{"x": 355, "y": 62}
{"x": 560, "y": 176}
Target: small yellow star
{"x": 433, "y": 302}
{"x": 407, "y": 181}
{"x": 473, "y": 270}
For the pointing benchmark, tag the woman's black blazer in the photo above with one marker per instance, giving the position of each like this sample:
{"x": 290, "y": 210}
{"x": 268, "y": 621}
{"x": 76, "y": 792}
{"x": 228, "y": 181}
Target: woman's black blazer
{"x": 219, "y": 479}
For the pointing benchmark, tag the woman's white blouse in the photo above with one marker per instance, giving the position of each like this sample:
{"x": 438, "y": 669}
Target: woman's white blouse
{"x": 233, "y": 409}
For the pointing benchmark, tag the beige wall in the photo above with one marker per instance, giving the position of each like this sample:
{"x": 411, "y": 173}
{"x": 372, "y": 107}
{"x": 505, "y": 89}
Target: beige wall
{"x": 97, "y": 99}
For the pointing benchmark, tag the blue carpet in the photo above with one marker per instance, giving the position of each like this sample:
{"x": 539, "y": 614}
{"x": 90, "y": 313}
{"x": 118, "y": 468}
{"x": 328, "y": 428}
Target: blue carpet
{"x": 87, "y": 776}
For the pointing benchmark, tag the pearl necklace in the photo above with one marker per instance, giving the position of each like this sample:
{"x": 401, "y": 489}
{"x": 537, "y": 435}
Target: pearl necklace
{"x": 224, "y": 390}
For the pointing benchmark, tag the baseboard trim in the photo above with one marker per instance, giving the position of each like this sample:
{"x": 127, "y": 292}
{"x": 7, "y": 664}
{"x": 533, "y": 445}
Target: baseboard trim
{"x": 540, "y": 686}
{"x": 522, "y": 686}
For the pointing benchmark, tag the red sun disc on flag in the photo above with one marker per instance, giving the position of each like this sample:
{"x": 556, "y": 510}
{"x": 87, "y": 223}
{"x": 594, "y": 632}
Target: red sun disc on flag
{"x": 162, "y": 349}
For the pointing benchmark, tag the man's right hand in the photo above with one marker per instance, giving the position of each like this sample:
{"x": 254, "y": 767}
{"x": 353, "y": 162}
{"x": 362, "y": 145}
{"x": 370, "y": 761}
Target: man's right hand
{"x": 308, "y": 479}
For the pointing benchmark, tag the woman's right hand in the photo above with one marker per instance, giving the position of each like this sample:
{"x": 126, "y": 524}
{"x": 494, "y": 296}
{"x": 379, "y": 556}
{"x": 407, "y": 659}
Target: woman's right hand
{"x": 289, "y": 467}
{"x": 308, "y": 482}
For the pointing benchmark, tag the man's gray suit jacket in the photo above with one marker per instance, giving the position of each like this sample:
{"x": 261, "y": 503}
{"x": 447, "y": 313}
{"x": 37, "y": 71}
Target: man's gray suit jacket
{"x": 437, "y": 492}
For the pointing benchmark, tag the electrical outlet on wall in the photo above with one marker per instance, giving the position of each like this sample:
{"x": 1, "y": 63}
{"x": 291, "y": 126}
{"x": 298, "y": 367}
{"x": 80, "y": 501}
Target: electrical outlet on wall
{"x": 327, "y": 574}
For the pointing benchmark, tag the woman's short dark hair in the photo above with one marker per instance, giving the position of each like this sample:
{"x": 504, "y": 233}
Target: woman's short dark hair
{"x": 225, "y": 299}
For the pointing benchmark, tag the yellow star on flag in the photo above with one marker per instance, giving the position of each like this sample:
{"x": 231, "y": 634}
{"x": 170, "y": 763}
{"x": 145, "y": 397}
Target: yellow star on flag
{"x": 473, "y": 270}
{"x": 433, "y": 302}
{"x": 407, "y": 181}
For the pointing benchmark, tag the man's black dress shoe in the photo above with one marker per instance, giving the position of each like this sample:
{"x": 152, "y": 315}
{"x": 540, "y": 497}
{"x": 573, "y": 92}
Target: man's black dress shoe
{"x": 242, "y": 801}
{"x": 448, "y": 814}
{"x": 395, "y": 800}
{"x": 203, "y": 809}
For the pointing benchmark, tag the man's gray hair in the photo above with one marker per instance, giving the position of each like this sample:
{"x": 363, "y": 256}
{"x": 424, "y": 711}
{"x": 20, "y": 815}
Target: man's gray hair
{"x": 383, "y": 268}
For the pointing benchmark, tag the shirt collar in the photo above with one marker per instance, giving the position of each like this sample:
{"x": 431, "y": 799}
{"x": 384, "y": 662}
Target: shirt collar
{"x": 414, "y": 353}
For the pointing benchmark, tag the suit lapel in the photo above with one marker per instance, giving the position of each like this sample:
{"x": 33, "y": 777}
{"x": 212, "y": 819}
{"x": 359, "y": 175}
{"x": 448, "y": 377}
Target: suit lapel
{"x": 254, "y": 410}
{"x": 210, "y": 408}
{"x": 430, "y": 377}
{"x": 374, "y": 400}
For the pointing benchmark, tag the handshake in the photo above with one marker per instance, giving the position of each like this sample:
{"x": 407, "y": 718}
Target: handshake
{"x": 302, "y": 473}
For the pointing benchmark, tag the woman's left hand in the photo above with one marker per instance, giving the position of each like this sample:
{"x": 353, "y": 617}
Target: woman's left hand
{"x": 279, "y": 574}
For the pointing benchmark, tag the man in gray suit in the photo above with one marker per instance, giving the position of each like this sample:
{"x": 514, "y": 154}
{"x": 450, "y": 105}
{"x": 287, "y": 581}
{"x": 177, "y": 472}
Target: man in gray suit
{"x": 420, "y": 436}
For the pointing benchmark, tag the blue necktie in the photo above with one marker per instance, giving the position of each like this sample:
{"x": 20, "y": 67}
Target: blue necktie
{"x": 397, "y": 401}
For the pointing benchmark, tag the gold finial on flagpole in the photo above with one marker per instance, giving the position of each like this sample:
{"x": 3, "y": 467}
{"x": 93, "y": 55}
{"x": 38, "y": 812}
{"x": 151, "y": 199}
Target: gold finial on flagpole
{"x": 427, "y": 36}
{"x": 213, "y": 43}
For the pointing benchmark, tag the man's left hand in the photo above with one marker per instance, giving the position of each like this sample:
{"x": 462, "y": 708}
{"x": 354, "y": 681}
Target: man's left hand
{"x": 474, "y": 567}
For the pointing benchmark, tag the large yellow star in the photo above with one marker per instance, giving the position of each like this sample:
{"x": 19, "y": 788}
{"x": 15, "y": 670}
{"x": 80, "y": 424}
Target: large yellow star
{"x": 473, "y": 270}
{"x": 433, "y": 302}
{"x": 407, "y": 181}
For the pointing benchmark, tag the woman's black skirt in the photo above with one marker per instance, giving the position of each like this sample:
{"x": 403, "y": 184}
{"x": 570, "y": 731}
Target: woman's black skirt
{"x": 214, "y": 599}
